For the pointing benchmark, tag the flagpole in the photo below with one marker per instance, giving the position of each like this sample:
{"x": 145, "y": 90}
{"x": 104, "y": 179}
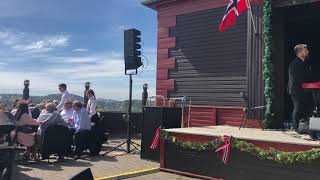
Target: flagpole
{"x": 250, "y": 11}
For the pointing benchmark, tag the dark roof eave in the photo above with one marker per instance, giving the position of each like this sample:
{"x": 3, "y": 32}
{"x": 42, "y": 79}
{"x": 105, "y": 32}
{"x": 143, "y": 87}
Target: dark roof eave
{"x": 150, "y": 3}
{"x": 154, "y": 3}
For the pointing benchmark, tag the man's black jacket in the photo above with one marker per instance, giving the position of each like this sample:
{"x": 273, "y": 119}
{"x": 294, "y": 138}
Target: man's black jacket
{"x": 299, "y": 72}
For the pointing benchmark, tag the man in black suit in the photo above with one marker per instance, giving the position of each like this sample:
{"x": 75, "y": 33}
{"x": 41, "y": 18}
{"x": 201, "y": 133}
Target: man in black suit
{"x": 300, "y": 72}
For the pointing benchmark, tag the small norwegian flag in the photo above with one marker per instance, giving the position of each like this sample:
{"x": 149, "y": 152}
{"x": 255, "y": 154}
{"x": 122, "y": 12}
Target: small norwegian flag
{"x": 155, "y": 142}
{"x": 225, "y": 149}
{"x": 234, "y": 9}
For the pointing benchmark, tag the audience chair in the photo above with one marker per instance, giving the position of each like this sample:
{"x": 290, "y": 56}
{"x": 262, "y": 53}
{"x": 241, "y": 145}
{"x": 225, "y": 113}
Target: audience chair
{"x": 23, "y": 129}
{"x": 55, "y": 140}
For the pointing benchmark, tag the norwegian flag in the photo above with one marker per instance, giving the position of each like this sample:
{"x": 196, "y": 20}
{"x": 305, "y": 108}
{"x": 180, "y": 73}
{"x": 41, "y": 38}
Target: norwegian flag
{"x": 225, "y": 149}
{"x": 155, "y": 142}
{"x": 234, "y": 8}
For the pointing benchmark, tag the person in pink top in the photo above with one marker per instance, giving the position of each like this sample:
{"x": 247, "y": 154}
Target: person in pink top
{"x": 23, "y": 119}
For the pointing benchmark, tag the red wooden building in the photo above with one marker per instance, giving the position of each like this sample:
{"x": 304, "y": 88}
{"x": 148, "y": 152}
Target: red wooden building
{"x": 212, "y": 68}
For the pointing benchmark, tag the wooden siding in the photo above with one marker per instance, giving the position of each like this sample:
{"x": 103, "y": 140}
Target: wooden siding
{"x": 167, "y": 17}
{"x": 284, "y": 3}
{"x": 178, "y": 7}
{"x": 195, "y": 60}
{"x": 200, "y": 116}
{"x": 175, "y": 8}
{"x": 213, "y": 115}
{"x": 255, "y": 55}
{"x": 210, "y": 66}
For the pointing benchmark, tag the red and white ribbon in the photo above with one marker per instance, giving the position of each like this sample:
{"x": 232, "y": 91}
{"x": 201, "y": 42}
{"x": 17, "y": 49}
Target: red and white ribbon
{"x": 225, "y": 149}
{"x": 156, "y": 139}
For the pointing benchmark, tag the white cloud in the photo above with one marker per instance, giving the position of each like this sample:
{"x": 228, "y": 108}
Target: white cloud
{"x": 43, "y": 45}
{"x": 83, "y": 59}
{"x": 31, "y": 43}
{"x": 12, "y": 81}
{"x": 101, "y": 67}
{"x": 80, "y": 50}
{"x": 9, "y": 37}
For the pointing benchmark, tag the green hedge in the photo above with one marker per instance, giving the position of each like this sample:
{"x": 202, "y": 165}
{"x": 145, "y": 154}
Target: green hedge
{"x": 267, "y": 64}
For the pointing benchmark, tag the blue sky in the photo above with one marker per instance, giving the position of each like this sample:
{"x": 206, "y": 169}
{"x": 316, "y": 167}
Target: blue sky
{"x": 73, "y": 41}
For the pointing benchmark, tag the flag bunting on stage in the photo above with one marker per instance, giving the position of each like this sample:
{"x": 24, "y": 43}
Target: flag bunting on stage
{"x": 156, "y": 139}
{"x": 225, "y": 149}
{"x": 234, "y": 8}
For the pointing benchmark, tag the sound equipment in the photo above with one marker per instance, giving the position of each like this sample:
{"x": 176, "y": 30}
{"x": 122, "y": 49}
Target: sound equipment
{"x": 132, "y": 49}
{"x": 85, "y": 174}
{"x": 153, "y": 117}
{"x": 132, "y": 61}
{"x": 128, "y": 142}
{"x": 314, "y": 124}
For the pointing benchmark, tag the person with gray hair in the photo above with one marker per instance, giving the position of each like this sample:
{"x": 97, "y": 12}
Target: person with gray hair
{"x": 50, "y": 118}
{"x": 300, "y": 72}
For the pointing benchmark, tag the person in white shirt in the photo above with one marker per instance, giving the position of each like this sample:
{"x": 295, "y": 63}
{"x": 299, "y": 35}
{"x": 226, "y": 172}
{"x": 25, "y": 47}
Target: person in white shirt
{"x": 65, "y": 96}
{"x": 80, "y": 117}
{"x": 67, "y": 112}
{"x": 92, "y": 105}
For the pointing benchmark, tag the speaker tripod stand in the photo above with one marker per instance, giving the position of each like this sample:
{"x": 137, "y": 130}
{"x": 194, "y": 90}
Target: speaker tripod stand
{"x": 129, "y": 142}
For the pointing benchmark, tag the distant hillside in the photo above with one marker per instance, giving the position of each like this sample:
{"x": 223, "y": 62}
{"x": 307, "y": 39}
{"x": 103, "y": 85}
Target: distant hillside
{"x": 103, "y": 104}
{"x": 9, "y": 98}
{"x": 114, "y": 105}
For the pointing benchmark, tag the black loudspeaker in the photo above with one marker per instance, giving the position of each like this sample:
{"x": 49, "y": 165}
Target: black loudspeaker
{"x": 153, "y": 117}
{"x": 132, "y": 49}
{"x": 85, "y": 174}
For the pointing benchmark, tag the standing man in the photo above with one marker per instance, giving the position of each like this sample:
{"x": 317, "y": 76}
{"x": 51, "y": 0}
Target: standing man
{"x": 26, "y": 90}
{"x": 299, "y": 73}
{"x": 65, "y": 96}
{"x": 85, "y": 98}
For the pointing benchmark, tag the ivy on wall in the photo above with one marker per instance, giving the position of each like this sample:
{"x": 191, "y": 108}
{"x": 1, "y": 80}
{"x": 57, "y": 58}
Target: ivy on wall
{"x": 267, "y": 64}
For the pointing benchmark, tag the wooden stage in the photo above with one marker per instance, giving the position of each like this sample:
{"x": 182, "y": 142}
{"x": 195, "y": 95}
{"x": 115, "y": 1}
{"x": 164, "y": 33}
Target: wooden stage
{"x": 206, "y": 164}
{"x": 249, "y": 134}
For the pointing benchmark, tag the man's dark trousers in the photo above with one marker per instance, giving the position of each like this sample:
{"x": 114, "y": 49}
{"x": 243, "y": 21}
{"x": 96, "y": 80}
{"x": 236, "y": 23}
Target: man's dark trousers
{"x": 303, "y": 107}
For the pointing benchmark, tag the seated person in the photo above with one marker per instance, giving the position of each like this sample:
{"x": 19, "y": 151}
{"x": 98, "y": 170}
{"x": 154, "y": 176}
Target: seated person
{"x": 44, "y": 109}
{"x": 15, "y": 109}
{"x": 23, "y": 119}
{"x": 67, "y": 112}
{"x": 50, "y": 118}
{"x": 55, "y": 102}
{"x": 82, "y": 125}
{"x": 47, "y": 119}
{"x": 80, "y": 117}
